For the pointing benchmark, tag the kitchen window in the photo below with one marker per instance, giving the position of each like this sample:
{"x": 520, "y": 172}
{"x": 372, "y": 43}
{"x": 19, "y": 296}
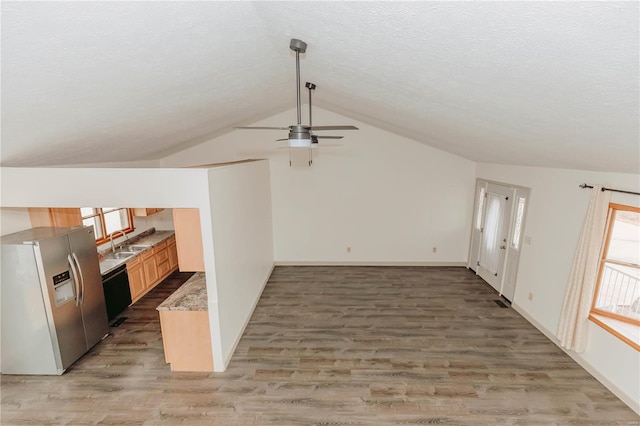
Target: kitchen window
{"x": 107, "y": 220}
{"x": 617, "y": 295}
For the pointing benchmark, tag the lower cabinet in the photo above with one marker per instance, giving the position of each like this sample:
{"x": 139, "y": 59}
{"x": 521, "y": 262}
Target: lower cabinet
{"x": 172, "y": 250}
{"x": 162, "y": 258}
{"x": 151, "y": 267}
{"x": 186, "y": 338}
{"x": 137, "y": 282}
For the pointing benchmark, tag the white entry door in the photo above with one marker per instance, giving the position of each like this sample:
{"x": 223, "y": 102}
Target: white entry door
{"x": 514, "y": 247}
{"x": 476, "y": 228}
{"x": 496, "y": 219}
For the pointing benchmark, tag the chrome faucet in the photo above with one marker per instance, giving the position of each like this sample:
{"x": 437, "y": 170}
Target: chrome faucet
{"x": 113, "y": 247}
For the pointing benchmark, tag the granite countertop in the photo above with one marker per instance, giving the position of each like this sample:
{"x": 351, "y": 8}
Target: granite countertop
{"x": 191, "y": 296}
{"x": 148, "y": 238}
{"x": 153, "y": 239}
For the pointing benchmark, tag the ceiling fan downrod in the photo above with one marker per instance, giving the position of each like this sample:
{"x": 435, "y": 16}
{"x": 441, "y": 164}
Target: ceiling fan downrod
{"x": 298, "y": 46}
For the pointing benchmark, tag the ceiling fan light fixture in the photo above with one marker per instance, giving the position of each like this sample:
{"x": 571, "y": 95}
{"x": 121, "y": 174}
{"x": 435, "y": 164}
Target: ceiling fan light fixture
{"x": 299, "y": 137}
{"x": 299, "y": 143}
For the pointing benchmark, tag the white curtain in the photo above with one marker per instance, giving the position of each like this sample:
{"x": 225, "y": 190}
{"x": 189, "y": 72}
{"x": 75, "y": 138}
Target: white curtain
{"x": 490, "y": 249}
{"x": 572, "y": 330}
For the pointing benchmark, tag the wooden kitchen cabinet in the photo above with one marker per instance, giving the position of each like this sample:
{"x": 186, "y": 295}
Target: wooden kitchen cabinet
{"x": 137, "y": 281}
{"x": 172, "y": 251}
{"x": 186, "y": 338}
{"x": 161, "y": 252}
{"x": 184, "y": 321}
{"x": 146, "y": 212}
{"x": 56, "y": 217}
{"x": 186, "y": 223}
{"x": 162, "y": 259}
{"x": 163, "y": 269}
{"x": 150, "y": 267}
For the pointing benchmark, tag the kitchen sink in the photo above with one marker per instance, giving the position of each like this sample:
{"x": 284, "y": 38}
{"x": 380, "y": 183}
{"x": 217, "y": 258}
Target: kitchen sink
{"x": 135, "y": 248}
{"x": 122, "y": 254}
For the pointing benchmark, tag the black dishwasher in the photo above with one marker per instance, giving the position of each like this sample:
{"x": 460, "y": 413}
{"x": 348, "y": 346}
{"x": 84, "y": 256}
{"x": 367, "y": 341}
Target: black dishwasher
{"x": 116, "y": 291}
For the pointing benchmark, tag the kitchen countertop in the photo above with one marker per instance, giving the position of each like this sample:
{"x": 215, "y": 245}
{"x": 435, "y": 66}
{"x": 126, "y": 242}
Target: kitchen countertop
{"x": 145, "y": 239}
{"x": 153, "y": 239}
{"x": 191, "y": 296}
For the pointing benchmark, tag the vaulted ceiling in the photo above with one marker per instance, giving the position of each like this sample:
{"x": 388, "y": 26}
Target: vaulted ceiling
{"x": 533, "y": 83}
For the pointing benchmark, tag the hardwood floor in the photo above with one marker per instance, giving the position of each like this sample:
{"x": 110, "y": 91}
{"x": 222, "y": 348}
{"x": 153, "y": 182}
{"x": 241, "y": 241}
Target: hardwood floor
{"x": 330, "y": 346}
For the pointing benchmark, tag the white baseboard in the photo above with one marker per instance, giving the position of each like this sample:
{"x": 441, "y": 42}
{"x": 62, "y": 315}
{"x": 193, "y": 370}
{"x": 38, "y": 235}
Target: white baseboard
{"x": 624, "y": 397}
{"x": 246, "y": 322}
{"x": 364, "y": 263}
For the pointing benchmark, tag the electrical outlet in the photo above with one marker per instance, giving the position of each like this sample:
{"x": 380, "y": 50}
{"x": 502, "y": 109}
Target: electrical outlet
{"x": 435, "y": 249}
{"x": 530, "y": 296}
{"x": 348, "y": 249}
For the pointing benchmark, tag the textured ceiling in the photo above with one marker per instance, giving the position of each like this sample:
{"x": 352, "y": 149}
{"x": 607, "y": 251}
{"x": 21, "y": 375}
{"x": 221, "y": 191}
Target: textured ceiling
{"x": 535, "y": 83}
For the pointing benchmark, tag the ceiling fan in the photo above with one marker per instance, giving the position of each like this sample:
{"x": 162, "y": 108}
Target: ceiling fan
{"x": 314, "y": 138}
{"x": 300, "y": 135}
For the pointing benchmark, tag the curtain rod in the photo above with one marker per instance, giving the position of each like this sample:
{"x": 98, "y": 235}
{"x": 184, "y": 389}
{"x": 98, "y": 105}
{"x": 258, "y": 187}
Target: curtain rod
{"x": 584, "y": 185}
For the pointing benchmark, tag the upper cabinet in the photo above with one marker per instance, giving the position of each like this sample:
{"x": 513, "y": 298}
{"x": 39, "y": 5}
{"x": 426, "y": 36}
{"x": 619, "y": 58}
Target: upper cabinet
{"x": 188, "y": 240}
{"x": 56, "y": 217}
{"x": 146, "y": 212}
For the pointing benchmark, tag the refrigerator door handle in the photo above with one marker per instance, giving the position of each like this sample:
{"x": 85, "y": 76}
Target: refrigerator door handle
{"x": 76, "y": 278}
{"x": 81, "y": 276}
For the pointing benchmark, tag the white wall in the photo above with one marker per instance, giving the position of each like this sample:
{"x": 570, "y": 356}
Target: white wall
{"x": 162, "y": 220}
{"x": 389, "y": 198}
{"x": 243, "y": 244}
{"x": 37, "y": 187}
{"x": 13, "y": 219}
{"x": 118, "y": 164}
{"x": 554, "y": 218}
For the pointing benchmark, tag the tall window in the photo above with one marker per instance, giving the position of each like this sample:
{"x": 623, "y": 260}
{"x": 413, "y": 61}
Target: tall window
{"x": 517, "y": 228}
{"x": 107, "y": 220}
{"x": 618, "y": 290}
{"x": 481, "y": 198}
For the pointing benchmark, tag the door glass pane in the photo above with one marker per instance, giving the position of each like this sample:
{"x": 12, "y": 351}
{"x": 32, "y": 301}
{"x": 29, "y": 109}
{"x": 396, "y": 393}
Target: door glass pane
{"x": 490, "y": 249}
{"x": 515, "y": 243}
{"x": 480, "y": 207}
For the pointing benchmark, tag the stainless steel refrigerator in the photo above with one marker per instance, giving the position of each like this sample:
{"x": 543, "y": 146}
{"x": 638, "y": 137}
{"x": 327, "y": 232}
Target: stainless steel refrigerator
{"x": 53, "y": 307}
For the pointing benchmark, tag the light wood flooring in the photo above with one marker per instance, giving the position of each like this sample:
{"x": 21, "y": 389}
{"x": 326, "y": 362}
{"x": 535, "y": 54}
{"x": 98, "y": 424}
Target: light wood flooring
{"x": 332, "y": 346}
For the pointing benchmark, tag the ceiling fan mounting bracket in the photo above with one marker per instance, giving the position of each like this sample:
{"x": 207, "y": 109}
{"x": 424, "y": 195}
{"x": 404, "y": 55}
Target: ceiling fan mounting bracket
{"x": 298, "y": 45}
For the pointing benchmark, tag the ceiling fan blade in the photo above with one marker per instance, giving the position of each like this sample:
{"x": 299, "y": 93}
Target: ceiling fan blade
{"x": 261, "y": 128}
{"x": 334, "y": 128}
{"x": 285, "y": 139}
{"x": 329, "y": 137}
